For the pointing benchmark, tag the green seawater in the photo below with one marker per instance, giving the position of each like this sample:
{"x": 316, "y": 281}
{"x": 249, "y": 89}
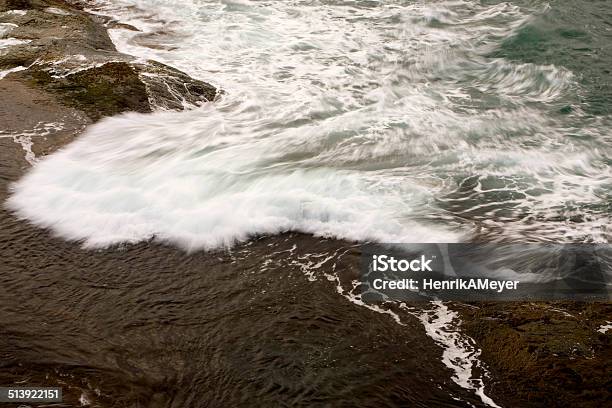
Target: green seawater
{"x": 575, "y": 34}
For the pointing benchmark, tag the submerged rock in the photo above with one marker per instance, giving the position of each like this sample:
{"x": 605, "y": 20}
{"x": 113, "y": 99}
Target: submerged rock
{"x": 541, "y": 353}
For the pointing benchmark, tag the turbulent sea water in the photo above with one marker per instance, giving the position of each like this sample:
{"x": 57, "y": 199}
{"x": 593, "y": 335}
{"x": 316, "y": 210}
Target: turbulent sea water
{"x": 405, "y": 121}
{"x": 365, "y": 120}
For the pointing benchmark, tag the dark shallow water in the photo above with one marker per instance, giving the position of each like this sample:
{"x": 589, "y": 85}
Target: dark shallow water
{"x": 150, "y": 326}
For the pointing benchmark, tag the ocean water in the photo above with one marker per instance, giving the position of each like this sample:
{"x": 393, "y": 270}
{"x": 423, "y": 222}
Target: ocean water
{"x": 397, "y": 121}
{"x": 430, "y": 121}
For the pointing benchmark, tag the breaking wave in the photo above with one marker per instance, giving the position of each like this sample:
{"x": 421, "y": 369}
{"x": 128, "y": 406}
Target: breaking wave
{"x": 361, "y": 120}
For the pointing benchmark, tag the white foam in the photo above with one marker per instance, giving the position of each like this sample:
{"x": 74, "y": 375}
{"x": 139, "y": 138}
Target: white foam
{"x": 8, "y": 71}
{"x": 84, "y": 400}
{"x": 10, "y": 42}
{"x": 72, "y": 64}
{"x": 352, "y": 122}
{"x": 5, "y": 28}
{"x": 443, "y": 325}
{"x": 57, "y": 11}
{"x": 190, "y": 190}
{"x": 459, "y": 351}
{"x": 25, "y": 137}
{"x": 17, "y": 12}
{"x": 26, "y": 144}
{"x": 605, "y": 327}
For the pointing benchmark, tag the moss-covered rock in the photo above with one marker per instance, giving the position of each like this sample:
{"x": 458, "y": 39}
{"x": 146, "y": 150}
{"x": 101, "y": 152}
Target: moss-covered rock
{"x": 169, "y": 88}
{"x": 545, "y": 354}
{"x": 101, "y": 91}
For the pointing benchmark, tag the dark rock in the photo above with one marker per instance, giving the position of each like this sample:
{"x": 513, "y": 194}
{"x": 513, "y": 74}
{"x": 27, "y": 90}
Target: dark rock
{"x": 107, "y": 90}
{"x": 37, "y": 4}
{"x": 543, "y": 354}
{"x": 60, "y": 34}
{"x": 72, "y": 56}
{"x": 19, "y": 55}
{"x": 170, "y": 88}
{"x": 14, "y": 5}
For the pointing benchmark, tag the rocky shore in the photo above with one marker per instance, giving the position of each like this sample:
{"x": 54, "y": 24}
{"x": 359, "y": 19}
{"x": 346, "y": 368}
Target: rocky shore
{"x": 543, "y": 354}
{"x": 60, "y": 72}
{"x": 60, "y": 66}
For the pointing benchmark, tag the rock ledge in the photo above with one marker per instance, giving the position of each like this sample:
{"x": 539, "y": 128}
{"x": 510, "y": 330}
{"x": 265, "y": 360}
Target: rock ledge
{"x": 58, "y": 48}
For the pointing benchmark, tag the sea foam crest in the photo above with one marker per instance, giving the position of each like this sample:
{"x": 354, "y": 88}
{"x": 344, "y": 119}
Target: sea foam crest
{"x": 103, "y": 189}
{"x": 362, "y": 121}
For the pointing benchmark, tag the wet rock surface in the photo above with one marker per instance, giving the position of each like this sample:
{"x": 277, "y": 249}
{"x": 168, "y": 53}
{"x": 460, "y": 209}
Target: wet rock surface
{"x": 106, "y": 90}
{"x": 169, "y": 88}
{"x": 543, "y": 354}
{"x": 209, "y": 330}
{"x": 68, "y": 53}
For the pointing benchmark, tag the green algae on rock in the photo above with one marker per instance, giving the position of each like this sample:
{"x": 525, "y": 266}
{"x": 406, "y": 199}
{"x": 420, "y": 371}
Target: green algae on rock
{"x": 70, "y": 55}
{"x": 543, "y": 353}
